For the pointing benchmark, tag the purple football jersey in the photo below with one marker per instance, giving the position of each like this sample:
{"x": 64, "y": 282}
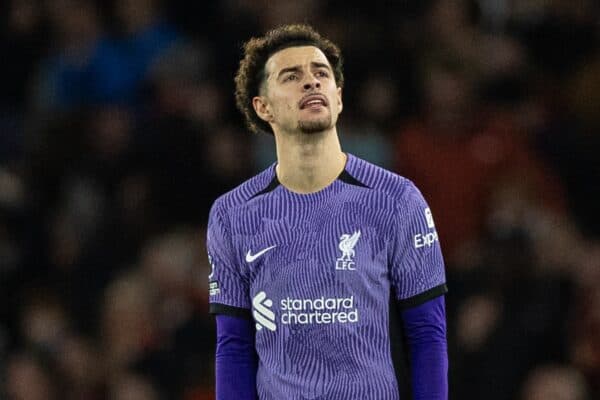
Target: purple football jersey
{"x": 316, "y": 271}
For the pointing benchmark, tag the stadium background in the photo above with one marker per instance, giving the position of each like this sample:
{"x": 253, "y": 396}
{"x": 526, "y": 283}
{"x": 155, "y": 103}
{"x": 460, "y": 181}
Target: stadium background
{"x": 118, "y": 130}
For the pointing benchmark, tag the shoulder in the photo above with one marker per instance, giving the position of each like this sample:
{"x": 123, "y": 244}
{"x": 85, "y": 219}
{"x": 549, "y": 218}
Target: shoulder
{"x": 386, "y": 182}
{"x": 243, "y": 193}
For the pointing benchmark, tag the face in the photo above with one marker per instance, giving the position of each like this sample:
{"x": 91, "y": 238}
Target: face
{"x": 299, "y": 93}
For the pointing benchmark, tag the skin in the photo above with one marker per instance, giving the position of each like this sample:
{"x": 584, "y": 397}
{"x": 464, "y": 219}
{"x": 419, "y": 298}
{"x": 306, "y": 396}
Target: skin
{"x": 309, "y": 154}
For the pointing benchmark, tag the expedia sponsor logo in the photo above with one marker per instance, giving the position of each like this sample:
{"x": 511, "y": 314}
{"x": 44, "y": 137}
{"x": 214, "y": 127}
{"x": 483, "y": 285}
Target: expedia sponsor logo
{"x": 425, "y": 239}
{"x": 429, "y": 238}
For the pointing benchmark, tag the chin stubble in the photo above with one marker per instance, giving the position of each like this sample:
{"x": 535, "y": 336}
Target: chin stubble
{"x": 314, "y": 126}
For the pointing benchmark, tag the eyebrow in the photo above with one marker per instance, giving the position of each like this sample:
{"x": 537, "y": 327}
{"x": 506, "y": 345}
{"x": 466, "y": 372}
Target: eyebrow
{"x": 295, "y": 68}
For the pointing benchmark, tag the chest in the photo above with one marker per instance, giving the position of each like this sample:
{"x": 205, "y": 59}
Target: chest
{"x": 315, "y": 251}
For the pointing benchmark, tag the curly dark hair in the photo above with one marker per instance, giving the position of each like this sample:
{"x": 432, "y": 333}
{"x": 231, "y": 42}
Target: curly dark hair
{"x": 251, "y": 73}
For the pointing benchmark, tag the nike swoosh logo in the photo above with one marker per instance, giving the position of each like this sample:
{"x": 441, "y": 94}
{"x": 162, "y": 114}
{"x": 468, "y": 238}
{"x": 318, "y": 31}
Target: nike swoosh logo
{"x": 251, "y": 257}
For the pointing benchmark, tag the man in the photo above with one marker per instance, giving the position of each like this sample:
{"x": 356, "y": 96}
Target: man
{"x": 307, "y": 255}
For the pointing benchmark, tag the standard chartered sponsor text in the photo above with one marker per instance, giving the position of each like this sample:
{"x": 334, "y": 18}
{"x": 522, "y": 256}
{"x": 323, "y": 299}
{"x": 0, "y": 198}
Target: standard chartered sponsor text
{"x": 321, "y": 310}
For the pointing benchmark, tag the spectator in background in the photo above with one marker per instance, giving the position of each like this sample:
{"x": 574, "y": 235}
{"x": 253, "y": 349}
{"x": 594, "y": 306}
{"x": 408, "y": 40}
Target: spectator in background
{"x": 365, "y": 133}
{"x": 457, "y": 151}
{"x": 133, "y": 387}
{"x": 511, "y": 308}
{"x": 79, "y": 362}
{"x": 129, "y": 328}
{"x": 30, "y": 376}
{"x": 554, "y": 382}
{"x": 152, "y": 324}
{"x": 177, "y": 270}
{"x": 85, "y": 67}
{"x": 569, "y": 138}
{"x": 89, "y": 67}
{"x": 85, "y": 167}
{"x": 585, "y": 346}
{"x": 22, "y": 41}
{"x": 450, "y": 29}
{"x": 21, "y": 36}
{"x": 44, "y": 323}
{"x": 189, "y": 164}
{"x": 145, "y": 36}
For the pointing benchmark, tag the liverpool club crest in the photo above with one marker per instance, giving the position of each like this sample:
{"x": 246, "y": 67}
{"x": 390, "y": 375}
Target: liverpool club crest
{"x": 347, "y": 243}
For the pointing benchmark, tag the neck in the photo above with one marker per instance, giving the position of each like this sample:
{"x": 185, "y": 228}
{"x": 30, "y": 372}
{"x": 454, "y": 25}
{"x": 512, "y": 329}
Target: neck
{"x": 308, "y": 163}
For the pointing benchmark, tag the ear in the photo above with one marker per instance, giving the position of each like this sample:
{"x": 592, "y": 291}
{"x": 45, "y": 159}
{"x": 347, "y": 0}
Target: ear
{"x": 339, "y": 99}
{"x": 262, "y": 109}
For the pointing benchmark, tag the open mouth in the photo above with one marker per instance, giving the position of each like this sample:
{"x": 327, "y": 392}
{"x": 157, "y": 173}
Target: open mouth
{"x": 313, "y": 101}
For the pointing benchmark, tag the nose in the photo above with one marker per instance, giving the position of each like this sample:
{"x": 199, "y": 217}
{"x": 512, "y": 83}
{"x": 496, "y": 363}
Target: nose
{"x": 312, "y": 83}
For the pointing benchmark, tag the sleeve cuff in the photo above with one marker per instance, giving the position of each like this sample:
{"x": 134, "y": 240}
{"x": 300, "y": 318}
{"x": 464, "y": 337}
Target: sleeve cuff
{"x": 218, "y": 308}
{"x": 421, "y": 298}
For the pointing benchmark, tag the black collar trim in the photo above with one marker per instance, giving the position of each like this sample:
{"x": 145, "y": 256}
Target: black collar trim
{"x": 344, "y": 177}
{"x": 272, "y": 186}
{"x": 349, "y": 179}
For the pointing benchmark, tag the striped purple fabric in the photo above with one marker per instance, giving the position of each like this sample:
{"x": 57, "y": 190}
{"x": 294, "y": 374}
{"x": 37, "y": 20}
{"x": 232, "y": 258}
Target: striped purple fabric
{"x": 316, "y": 271}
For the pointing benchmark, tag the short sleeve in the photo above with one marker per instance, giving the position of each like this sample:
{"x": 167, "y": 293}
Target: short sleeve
{"x": 416, "y": 261}
{"x": 228, "y": 287}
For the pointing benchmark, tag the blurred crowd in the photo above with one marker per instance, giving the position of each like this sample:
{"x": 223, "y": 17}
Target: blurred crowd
{"x": 118, "y": 129}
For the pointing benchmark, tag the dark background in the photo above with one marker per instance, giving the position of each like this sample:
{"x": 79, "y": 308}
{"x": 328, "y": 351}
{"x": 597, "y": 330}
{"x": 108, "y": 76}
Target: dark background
{"x": 118, "y": 130}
